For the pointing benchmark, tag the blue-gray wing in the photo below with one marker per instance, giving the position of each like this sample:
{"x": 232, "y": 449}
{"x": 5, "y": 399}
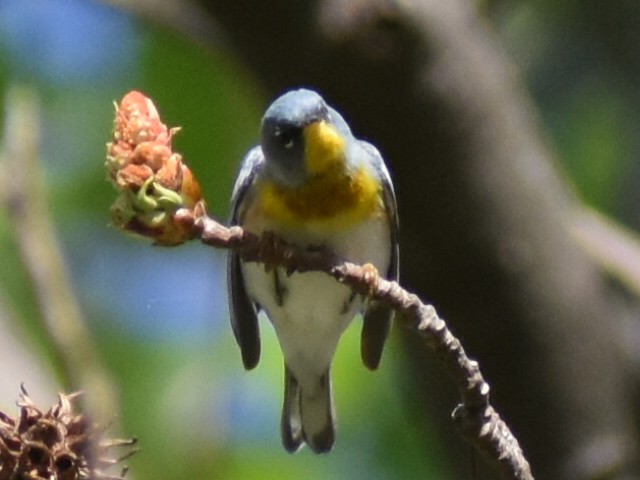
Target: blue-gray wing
{"x": 243, "y": 311}
{"x": 377, "y": 317}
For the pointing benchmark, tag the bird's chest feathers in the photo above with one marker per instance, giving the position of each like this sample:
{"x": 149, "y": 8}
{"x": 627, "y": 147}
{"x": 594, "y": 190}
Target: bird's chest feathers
{"x": 333, "y": 199}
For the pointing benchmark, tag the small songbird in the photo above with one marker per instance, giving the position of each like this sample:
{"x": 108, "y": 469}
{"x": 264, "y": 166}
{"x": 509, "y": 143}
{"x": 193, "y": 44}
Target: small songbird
{"x": 313, "y": 184}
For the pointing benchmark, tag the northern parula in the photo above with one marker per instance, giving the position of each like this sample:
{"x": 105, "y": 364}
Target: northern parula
{"x": 313, "y": 184}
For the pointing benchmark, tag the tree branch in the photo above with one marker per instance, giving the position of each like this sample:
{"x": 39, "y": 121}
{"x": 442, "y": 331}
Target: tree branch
{"x": 477, "y": 420}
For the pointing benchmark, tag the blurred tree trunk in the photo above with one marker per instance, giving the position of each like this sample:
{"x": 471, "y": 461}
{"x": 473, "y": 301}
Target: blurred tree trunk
{"x": 484, "y": 214}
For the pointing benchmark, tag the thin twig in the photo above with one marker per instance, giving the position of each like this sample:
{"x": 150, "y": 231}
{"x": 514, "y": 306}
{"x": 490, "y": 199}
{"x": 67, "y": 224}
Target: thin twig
{"x": 612, "y": 246}
{"x": 477, "y": 420}
{"x": 24, "y": 200}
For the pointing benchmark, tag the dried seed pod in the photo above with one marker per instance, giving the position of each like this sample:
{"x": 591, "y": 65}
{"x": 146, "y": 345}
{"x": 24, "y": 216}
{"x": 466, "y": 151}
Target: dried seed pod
{"x": 56, "y": 444}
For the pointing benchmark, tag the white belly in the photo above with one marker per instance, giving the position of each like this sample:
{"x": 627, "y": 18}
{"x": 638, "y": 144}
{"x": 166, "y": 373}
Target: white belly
{"x": 311, "y": 310}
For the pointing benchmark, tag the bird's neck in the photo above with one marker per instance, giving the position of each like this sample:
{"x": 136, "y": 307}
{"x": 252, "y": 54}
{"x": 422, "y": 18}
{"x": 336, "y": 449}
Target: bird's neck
{"x": 333, "y": 200}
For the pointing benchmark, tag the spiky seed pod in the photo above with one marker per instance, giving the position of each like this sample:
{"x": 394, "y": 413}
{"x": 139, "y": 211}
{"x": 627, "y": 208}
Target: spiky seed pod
{"x": 56, "y": 444}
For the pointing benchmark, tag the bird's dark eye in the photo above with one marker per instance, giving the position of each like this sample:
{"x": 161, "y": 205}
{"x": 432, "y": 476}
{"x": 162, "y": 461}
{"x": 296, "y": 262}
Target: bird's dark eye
{"x": 288, "y": 136}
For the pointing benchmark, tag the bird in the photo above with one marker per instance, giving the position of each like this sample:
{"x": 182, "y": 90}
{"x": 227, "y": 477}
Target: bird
{"x": 310, "y": 182}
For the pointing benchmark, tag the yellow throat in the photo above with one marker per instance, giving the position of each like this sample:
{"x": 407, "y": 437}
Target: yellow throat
{"x": 334, "y": 197}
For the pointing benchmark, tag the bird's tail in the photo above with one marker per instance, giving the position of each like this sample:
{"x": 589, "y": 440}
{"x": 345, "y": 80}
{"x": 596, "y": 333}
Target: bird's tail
{"x": 308, "y": 414}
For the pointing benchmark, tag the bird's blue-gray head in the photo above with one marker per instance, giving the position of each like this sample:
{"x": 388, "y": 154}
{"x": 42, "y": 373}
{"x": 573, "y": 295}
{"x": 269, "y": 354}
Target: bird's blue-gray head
{"x": 290, "y": 125}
